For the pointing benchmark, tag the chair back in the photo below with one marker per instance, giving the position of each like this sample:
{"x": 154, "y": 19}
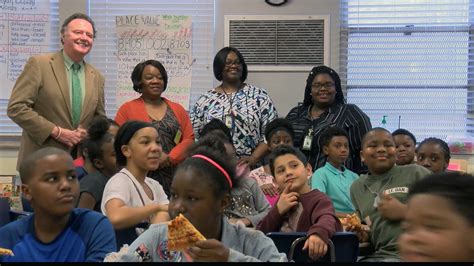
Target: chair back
{"x": 283, "y": 240}
{"x": 4, "y": 211}
{"x": 346, "y": 246}
{"x": 297, "y": 254}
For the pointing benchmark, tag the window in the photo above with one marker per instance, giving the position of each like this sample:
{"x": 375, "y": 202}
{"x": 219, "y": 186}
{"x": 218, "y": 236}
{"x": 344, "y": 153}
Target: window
{"x": 103, "y": 55}
{"x": 8, "y": 128}
{"x": 408, "y": 64}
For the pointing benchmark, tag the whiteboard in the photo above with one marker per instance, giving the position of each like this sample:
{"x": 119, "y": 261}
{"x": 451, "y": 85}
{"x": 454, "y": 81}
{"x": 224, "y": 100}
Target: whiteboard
{"x": 25, "y": 30}
{"x": 166, "y": 38}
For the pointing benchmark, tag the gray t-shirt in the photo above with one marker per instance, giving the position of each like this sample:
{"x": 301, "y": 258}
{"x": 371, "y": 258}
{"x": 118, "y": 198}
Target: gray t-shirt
{"x": 248, "y": 201}
{"x": 245, "y": 245}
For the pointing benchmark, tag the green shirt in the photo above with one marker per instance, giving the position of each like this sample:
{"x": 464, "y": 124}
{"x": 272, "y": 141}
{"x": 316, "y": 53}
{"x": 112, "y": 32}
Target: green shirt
{"x": 336, "y": 184}
{"x": 396, "y": 182}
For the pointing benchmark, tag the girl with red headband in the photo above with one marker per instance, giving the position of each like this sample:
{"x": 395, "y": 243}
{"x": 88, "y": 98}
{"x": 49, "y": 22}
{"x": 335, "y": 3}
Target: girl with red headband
{"x": 201, "y": 192}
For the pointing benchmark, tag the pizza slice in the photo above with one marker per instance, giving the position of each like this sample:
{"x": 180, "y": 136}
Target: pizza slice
{"x": 351, "y": 220}
{"x": 182, "y": 234}
{"x": 7, "y": 252}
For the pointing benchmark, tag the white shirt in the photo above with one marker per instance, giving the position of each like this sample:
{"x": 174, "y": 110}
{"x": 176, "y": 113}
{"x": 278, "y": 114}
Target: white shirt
{"x": 121, "y": 186}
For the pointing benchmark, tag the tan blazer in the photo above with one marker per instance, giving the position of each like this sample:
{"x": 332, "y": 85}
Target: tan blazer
{"x": 40, "y": 100}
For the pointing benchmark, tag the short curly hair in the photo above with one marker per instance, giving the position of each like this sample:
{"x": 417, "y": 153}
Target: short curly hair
{"x": 138, "y": 71}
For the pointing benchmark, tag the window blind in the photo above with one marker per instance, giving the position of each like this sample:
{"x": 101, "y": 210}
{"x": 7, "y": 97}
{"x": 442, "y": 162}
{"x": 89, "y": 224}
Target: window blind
{"x": 408, "y": 64}
{"x": 7, "y": 127}
{"x": 103, "y": 54}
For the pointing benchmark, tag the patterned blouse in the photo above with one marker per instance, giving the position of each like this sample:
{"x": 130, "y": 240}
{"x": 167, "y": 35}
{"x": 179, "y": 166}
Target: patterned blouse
{"x": 167, "y": 127}
{"x": 251, "y": 107}
{"x": 347, "y": 116}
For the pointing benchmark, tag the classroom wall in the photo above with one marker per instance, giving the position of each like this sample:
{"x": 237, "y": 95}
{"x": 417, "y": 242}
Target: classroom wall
{"x": 285, "y": 88}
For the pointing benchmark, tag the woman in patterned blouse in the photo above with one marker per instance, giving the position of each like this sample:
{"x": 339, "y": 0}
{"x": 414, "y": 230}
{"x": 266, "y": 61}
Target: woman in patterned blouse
{"x": 324, "y": 106}
{"x": 245, "y": 109}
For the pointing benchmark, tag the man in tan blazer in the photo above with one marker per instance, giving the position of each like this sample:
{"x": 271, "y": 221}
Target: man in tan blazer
{"x": 41, "y": 100}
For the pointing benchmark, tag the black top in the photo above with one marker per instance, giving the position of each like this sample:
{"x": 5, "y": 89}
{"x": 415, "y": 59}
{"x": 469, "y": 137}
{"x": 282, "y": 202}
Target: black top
{"x": 94, "y": 184}
{"x": 347, "y": 116}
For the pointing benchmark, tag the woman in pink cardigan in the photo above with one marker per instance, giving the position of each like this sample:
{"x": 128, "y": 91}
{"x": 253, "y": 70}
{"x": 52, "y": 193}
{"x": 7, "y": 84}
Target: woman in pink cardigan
{"x": 171, "y": 119}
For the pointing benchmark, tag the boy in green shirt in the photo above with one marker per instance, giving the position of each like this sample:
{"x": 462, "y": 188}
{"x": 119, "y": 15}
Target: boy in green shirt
{"x": 334, "y": 178}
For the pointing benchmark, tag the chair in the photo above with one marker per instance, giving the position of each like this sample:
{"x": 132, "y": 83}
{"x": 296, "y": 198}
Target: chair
{"x": 283, "y": 241}
{"x": 342, "y": 247}
{"x": 297, "y": 254}
{"x": 346, "y": 245}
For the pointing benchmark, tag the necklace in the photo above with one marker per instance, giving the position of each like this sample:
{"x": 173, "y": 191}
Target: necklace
{"x": 377, "y": 194}
{"x": 230, "y": 98}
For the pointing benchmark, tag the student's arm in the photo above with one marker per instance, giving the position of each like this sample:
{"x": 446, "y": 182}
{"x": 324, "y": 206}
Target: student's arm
{"x": 86, "y": 200}
{"x": 122, "y": 216}
{"x": 161, "y": 216}
{"x": 102, "y": 241}
{"x": 272, "y": 222}
{"x": 323, "y": 219}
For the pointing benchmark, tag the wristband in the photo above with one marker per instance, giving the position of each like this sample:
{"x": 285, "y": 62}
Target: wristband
{"x": 59, "y": 133}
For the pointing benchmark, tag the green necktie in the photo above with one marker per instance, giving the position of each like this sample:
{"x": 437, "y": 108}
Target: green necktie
{"x": 76, "y": 94}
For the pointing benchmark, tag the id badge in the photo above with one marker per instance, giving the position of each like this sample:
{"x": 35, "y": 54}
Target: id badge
{"x": 308, "y": 140}
{"x": 177, "y": 137}
{"x": 228, "y": 121}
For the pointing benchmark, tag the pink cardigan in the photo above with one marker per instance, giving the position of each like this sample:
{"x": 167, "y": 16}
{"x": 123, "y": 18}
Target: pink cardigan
{"x": 135, "y": 110}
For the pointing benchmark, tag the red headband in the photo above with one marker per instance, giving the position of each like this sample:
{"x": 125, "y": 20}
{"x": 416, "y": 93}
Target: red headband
{"x": 216, "y": 165}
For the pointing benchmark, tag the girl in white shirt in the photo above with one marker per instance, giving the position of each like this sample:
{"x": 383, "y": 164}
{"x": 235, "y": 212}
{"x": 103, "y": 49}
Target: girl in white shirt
{"x": 130, "y": 198}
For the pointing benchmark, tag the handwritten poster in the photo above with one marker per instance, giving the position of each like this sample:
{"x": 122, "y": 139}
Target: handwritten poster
{"x": 24, "y": 31}
{"x": 166, "y": 38}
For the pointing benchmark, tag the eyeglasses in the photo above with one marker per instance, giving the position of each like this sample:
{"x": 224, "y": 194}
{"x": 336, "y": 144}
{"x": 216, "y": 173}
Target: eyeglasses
{"x": 328, "y": 85}
{"x": 230, "y": 63}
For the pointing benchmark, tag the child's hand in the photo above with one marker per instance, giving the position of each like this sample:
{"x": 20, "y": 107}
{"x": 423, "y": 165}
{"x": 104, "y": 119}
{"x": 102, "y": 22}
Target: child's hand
{"x": 269, "y": 190}
{"x": 361, "y": 231}
{"x": 287, "y": 200}
{"x": 316, "y": 247}
{"x": 209, "y": 250}
{"x": 392, "y": 209}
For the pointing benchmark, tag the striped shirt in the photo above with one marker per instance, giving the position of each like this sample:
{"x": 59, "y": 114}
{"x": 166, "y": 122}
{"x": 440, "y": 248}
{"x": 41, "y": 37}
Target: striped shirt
{"x": 347, "y": 116}
{"x": 251, "y": 107}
